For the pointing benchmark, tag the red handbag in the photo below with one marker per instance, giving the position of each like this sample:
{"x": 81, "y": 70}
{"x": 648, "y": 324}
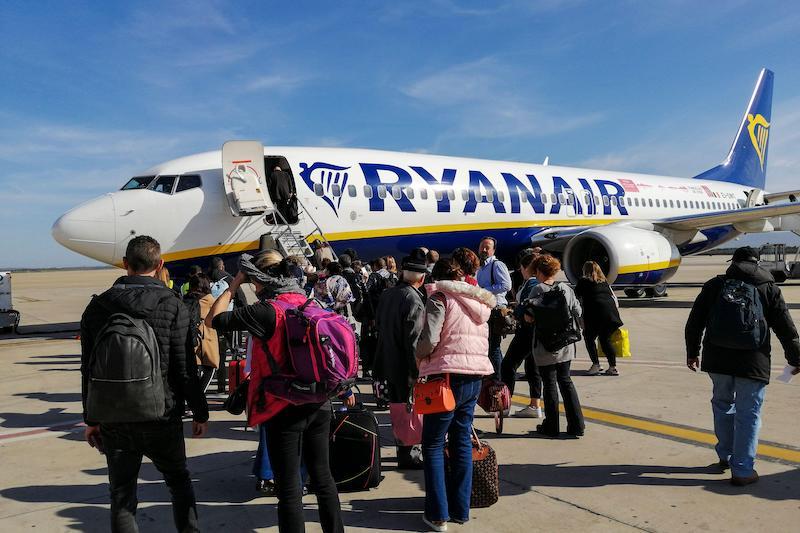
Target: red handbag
{"x": 434, "y": 395}
{"x": 495, "y": 398}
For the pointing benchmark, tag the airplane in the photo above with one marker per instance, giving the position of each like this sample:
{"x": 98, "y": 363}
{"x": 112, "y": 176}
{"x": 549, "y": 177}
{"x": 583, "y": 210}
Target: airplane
{"x": 636, "y": 226}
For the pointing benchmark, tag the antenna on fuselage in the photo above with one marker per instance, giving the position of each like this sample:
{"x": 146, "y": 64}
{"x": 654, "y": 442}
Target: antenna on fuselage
{"x": 546, "y": 161}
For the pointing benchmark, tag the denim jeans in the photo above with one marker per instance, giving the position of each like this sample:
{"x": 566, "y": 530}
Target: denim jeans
{"x": 556, "y": 378}
{"x": 303, "y": 430}
{"x": 162, "y": 442}
{"x": 447, "y": 493}
{"x": 736, "y": 404}
{"x": 262, "y": 468}
{"x": 495, "y": 353}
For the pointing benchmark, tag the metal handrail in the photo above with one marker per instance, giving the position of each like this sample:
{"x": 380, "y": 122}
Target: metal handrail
{"x": 287, "y": 228}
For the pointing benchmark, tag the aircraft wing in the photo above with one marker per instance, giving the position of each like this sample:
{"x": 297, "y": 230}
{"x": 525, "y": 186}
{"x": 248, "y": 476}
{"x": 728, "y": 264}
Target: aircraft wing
{"x": 778, "y": 196}
{"x": 723, "y": 218}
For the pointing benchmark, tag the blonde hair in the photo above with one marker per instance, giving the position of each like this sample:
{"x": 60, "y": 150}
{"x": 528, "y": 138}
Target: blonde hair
{"x": 163, "y": 276}
{"x": 266, "y": 260}
{"x": 592, "y": 271}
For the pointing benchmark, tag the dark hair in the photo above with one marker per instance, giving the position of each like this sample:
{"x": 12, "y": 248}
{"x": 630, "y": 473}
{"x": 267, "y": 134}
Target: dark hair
{"x": 447, "y": 269}
{"x": 526, "y": 260}
{"x": 345, "y": 260}
{"x": 199, "y": 284}
{"x": 195, "y": 270}
{"x": 379, "y": 263}
{"x": 351, "y": 252}
{"x": 143, "y": 254}
{"x": 494, "y": 241}
{"x": 357, "y": 265}
{"x": 334, "y": 268}
{"x": 217, "y": 263}
{"x": 467, "y": 260}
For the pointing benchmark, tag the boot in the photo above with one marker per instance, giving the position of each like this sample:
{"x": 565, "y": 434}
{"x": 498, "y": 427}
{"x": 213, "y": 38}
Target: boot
{"x": 407, "y": 461}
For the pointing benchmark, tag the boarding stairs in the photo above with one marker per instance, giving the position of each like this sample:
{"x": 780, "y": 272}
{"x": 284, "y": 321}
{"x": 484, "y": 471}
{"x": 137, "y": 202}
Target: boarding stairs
{"x": 288, "y": 238}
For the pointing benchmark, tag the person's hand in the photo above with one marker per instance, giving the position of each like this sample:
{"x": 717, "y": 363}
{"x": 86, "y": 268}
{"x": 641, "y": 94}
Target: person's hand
{"x": 350, "y": 401}
{"x": 199, "y": 429}
{"x": 693, "y": 363}
{"x": 92, "y": 436}
{"x": 240, "y": 279}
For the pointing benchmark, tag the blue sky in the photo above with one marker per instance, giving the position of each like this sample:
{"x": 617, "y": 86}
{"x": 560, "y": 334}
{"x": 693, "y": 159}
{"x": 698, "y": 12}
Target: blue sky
{"x": 94, "y": 92}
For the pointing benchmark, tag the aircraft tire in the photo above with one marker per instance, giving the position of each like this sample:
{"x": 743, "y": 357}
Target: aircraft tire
{"x": 659, "y": 291}
{"x": 634, "y": 293}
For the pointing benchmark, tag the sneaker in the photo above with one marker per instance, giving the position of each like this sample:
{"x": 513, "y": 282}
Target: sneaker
{"x": 266, "y": 487}
{"x": 506, "y": 412}
{"x": 435, "y": 525}
{"x": 612, "y": 371}
{"x": 743, "y": 481}
{"x": 529, "y": 412}
{"x": 594, "y": 370}
{"x": 720, "y": 466}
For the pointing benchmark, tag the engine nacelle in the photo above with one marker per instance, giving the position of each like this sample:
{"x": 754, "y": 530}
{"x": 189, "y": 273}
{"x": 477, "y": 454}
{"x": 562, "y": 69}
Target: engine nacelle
{"x": 628, "y": 256}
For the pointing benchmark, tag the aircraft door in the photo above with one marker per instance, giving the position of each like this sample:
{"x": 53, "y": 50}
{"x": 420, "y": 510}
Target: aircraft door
{"x": 245, "y": 179}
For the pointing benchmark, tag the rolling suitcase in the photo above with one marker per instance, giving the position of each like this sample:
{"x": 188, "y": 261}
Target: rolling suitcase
{"x": 355, "y": 449}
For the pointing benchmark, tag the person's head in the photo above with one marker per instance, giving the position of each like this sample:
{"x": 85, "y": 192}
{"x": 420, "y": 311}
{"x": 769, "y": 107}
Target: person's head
{"x": 163, "y": 275}
{"x": 447, "y": 270}
{"x": 346, "y": 261}
{"x": 266, "y": 262}
{"x": 431, "y": 257}
{"x": 194, "y": 270}
{"x": 487, "y": 247}
{"x": 334, "y": 268}
{"x": 546, "y": 267}
{"x": 357, "y": 265}
{"x": 467, "y": 260}
{"x": 217, "y": 263}
{"x": 391, "y": 264}
{"x": 415, "y": 268}
{"x": 325, "y": 262}
{"x": 142, "y": 256}
{"x": 592, "y": 271}
{"x": 299, "y": 260}
{"x": 746, "y": 254}
{"x": 199, "y": 284}
{"x": 526, "y": 267}
{"x": 379, "y": 264}
{"x": 351, "y": 252}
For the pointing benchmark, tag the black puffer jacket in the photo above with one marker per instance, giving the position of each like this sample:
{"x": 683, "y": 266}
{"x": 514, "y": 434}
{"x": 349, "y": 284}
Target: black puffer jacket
{"x": 168, "y": 317}
{"x": 752, "y": 364}
{"x": 400, "y": 317}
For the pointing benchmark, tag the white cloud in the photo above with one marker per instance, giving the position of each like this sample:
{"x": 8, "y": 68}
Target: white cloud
{"x": 279, "y": 81}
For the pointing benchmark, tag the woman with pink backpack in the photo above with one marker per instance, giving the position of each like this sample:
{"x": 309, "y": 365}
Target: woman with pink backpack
{"x": 454, "y": 342}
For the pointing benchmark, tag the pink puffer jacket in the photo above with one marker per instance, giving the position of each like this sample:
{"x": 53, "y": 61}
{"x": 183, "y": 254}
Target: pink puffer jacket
{"x": 457, "y": 342}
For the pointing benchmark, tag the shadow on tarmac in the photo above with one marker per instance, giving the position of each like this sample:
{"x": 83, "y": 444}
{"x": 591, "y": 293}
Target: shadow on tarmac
{"x": 520, "y": 478}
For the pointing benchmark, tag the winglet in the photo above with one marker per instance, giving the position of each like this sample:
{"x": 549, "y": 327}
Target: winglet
{"x": 746, "y": 163}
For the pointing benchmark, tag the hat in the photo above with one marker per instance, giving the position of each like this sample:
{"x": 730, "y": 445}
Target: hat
{"x": 745, "y": 253}
{"x": 415, "y": 261}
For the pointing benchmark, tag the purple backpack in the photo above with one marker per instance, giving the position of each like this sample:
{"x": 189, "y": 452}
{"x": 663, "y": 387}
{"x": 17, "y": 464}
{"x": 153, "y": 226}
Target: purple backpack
{"x": 322, "y": 353}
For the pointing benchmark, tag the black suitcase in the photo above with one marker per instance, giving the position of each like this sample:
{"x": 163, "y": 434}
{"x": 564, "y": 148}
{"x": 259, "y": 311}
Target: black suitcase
{"x": 355, "y": 449}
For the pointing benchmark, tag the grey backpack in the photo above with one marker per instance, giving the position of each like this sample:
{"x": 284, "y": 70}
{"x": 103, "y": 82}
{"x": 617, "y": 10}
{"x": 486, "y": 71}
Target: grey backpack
{"x": 125, "y": 381}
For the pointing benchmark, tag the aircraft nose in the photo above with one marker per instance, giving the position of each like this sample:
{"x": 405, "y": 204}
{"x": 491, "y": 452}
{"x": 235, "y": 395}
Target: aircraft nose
{"x": 89, "y": 229}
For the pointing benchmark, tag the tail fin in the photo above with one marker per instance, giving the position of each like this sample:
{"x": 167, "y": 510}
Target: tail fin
{"x": 746, "y": 163}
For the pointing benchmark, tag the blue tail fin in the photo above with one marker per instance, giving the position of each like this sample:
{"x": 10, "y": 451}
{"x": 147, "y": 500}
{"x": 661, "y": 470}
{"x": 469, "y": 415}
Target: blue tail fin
{"x": 746, "y": 163}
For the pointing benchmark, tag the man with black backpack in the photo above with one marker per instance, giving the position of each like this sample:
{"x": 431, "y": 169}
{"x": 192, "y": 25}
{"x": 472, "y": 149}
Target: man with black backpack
{"x": 736, "y": 312}
{"x": 138, "y": 367}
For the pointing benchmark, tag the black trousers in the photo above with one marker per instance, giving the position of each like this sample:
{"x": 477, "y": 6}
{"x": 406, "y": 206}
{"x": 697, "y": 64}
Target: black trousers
{"x": 556, "y": 378}
{"x": 605, "y": 342}
{"x": 162, "y": 443}
{"x": 303, "y": 430}
{"x": 521, "y": 349}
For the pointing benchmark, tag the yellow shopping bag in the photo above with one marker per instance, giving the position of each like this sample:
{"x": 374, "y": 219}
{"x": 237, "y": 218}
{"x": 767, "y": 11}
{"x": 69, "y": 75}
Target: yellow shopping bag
{"x": 621, "y": 342}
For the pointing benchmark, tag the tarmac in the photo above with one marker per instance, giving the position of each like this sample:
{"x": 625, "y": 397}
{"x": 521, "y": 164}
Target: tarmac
{"x": 643, "y": 464}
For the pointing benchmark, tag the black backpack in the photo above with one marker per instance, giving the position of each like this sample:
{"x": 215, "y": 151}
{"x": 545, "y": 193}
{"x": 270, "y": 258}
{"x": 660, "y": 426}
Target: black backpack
{"x": 737, "y": 319}
{"x": 125, "y": 381}
{"x": 553, "y": 320}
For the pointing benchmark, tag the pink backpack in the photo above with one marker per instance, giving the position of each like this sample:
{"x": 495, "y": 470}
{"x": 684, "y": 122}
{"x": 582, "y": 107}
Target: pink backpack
{"x": 322, "y": 354}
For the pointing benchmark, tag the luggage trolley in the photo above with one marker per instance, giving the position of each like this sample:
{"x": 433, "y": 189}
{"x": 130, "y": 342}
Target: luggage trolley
{"x": 9, "y": 318}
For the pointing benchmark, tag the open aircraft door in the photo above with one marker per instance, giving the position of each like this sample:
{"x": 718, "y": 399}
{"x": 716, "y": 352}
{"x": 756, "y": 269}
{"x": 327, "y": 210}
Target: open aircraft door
{"x": 245, "y": 179}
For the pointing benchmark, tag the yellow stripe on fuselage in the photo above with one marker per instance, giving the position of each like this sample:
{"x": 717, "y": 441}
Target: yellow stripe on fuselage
{"x": 211, "y": 250}
{"x": 647, "y": 267}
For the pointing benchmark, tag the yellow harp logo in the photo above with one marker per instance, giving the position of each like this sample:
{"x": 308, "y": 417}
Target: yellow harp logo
{"x": 758, "y": 128}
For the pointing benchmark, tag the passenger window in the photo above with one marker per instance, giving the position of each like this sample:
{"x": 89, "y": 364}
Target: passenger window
{"x": 596, "y": 200}
{"x": 382, "y": 191}
{"x": 552, "y": 198}
{"x": 164, "y": 184}
{"x": 562, "y": 199}
{"x": 439, "y": 195}
{"x": 351, "y": 191}
{"x": 614, "y": 201}
{"x": 451, "y": 194}
{"x": 188, "y": 182}
{"x": 501, "y": 196}
{"x": 319, "y": 190}
{"x": 410, "y": 193}
{"x": 672, "y": 204}
{"x": 658, "y": 202}
{"x": 606, "y": 201}
{"x": 423, "y": 194}
{"x": 139, "y": 182}
{"x": 368, "y": 192}
{"x": 544, "y": 198}
{"x": 397, "y": 192}
{"x": 489, "y": 196}
{"x": 650, "y": 201}
{"x": 524, "y": 198}
{"x": 465, "y": 195}
{"x": 336, "y": 190}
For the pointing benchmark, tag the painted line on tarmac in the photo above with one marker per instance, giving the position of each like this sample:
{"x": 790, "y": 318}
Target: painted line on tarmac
{"x": 766, "y": 450}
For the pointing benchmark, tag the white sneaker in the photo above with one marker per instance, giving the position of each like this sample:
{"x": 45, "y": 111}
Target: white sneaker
{"x": 595, "y": 370}
{"x": 506, "y": 412}
{"x": 529, "y": 412}
{"x": 435, "y": 526}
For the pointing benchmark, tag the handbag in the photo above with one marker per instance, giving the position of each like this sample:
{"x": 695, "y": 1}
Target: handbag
{"x": 495, "y": 398}
{"x": 485, "y": 476}
{"x": 502, "y": 322}
{"x": 434, "y": 395}
{"x": 236, "y": 402}
{"x": 620, "y": 341}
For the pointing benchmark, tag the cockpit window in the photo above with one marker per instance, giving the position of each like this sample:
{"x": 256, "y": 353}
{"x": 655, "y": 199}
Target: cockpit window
{"x": 164, "y": 184}
{"x": 188, "y": 182}
{"x": 139, "y": 182}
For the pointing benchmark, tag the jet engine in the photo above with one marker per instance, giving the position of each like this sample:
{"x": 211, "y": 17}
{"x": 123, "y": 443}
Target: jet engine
{"x": 627, "y": 255}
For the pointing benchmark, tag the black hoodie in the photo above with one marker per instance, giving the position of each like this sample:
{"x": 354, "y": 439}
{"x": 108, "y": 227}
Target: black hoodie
{"x": 752, "y": 364}
{"x": 148, "y": 298}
